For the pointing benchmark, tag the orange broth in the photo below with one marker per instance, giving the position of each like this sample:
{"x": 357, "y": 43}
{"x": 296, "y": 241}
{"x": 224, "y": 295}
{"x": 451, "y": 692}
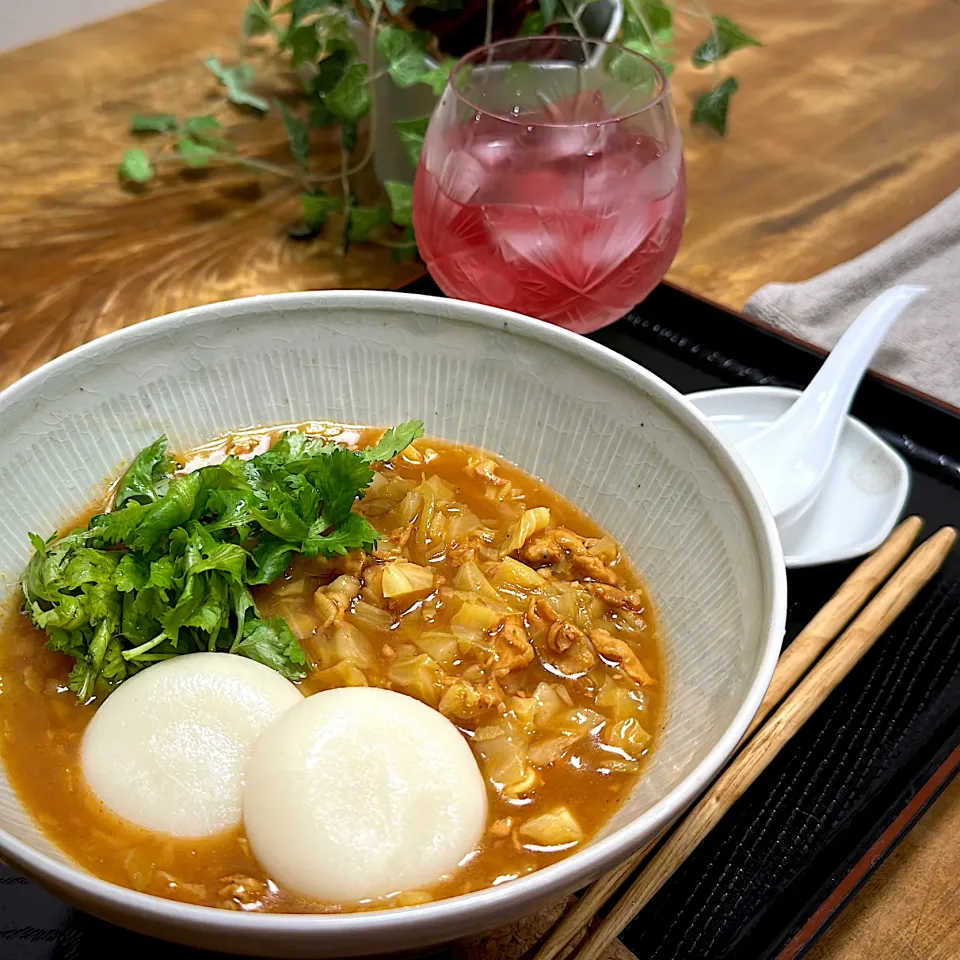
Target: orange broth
{"x": 584, "y": 765}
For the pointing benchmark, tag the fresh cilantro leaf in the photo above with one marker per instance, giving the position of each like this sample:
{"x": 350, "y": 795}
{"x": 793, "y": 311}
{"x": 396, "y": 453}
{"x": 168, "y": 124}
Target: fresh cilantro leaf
{"x": 712, "y": 107}
{"x": 364, "y": 221}
{"x": 406, "y": 62}
{"x": 411, "y": 133}
{"x": 110, "y": 529}
{"x": 271, "y": 642}
{"x": 132, "y": 573}
{"x": 172, "y": 510}
{"x": 401, "y": 202}
{"x": 256, "y": 20}
{"x": 394, "y": 441}
{"x": 271, "y": 558}
{"x": 190, "y": 547}
{"x": 317, "y": 207}
{"x": 354, "y": 532}
{"x": 148, "y": 477}
{"x": 152, "y": 122}
{"x": 236, "y": 80}
{"x": 350, "y": 99}
{"x": 299, "y": 135}
{"x": 726, "y": 37}
{"x": 136, "y": 166}
{"x": 341, "y": 476}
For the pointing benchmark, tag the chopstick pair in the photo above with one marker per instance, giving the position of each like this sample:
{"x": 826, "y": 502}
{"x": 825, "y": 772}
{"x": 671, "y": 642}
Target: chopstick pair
{"x": 812, "y": 684}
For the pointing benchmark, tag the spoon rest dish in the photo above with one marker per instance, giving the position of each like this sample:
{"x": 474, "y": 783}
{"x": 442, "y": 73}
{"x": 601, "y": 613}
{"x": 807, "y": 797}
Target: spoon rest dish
{"x": 864, "y": 492}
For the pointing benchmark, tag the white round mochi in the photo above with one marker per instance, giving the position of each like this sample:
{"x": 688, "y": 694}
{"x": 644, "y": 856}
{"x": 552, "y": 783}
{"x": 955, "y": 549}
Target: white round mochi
{"x": 168, "y": 748}
{"x": 361, "y": 792}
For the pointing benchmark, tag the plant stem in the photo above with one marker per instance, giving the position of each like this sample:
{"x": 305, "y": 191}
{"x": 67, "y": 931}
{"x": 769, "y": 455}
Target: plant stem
{"x": 144, "y": 647}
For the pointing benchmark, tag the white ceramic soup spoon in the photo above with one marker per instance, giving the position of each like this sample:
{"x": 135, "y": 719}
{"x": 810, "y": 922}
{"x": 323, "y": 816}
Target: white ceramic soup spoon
{"x": 790, "y": 458}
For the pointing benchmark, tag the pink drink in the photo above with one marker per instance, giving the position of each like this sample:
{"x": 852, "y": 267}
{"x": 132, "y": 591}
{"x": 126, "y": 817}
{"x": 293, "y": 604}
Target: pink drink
{"x": 574, "y": 224}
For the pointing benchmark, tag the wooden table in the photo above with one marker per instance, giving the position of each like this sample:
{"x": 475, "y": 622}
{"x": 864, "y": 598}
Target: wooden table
{"x": 845, "y": 130}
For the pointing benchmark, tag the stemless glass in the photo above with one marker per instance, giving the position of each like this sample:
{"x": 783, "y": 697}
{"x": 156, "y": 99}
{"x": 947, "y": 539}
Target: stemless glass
{"x": 551, "y": 180}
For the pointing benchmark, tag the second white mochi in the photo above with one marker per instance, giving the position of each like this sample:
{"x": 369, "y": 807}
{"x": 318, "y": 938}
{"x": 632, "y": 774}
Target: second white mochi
{"x": 361, "y": 792}
{"x": 168, "y": 748}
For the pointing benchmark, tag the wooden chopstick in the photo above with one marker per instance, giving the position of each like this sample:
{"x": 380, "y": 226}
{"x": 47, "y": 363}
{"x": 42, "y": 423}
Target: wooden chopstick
{"x": 794, "y": 662}
{"x": 810, "y": 693}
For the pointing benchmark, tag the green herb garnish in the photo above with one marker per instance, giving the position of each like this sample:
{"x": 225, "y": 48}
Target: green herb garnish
{"x": 169, "y": 569}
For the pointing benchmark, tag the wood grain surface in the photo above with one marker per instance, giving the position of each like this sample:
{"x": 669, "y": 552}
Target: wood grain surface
{"x": 844, "y": 130}
{"x": 79, "y": 255}
{"x": 903, "y": 911}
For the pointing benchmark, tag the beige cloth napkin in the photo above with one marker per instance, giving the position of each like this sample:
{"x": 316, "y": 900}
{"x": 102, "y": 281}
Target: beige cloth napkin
{"x": 923, "y": 349}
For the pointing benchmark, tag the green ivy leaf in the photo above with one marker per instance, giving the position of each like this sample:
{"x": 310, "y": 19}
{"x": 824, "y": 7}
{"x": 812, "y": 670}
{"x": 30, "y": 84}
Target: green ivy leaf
{"x": 236, "y": 80}
{"x": 438, "y": 78}
{"x": 317, "y": 207}
{"x": 628, "y": 69}
{"x": 201, "y": 129}
{"x": 320, "y": 115}
{"x": 549, "y": 10}
{"x": 725, "y": 38}
{"x": 411, "y": 133}
{"x": 256, "y": 20}
{"x": 534, "y": 24}
{"x": 406, "y": 62}
{"x": 364, "y": 220}
{"x": 401, "y": 202}
{"x": 303, "y": 44}
{"x": 152, "y": 122}
{"x": 350, "y": 99}
{"x": 195, "y": 154}
{"x": 136, "y": 166}
{"x": 299, "y": 134}
{"x": 712, "y": 107}
{"x": 656, "y": 14}
{"x": 330, "y": 71}
{"x": 304, "y": 8}
{"x": 653, "y": 42}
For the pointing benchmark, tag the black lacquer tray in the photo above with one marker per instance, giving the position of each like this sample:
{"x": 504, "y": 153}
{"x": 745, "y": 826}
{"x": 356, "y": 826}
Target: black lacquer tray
{"x": 836, "y": 801}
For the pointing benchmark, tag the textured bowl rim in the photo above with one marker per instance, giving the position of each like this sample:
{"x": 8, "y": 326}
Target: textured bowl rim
{"x": 489, "y": 907}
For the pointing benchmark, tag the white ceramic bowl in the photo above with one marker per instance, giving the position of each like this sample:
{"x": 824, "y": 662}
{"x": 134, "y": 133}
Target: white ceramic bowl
{"x": 604, "y": 432}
